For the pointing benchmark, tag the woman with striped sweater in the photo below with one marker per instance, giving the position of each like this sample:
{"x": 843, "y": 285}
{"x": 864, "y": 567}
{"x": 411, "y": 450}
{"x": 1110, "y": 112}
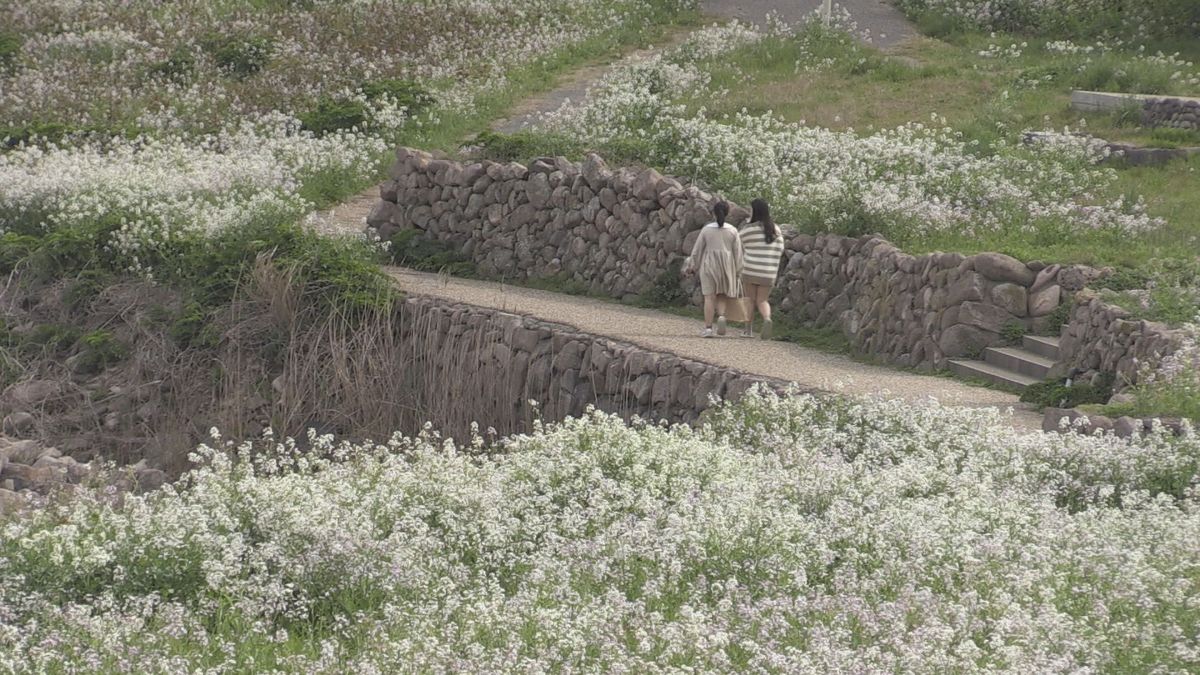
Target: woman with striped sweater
{"x": 762, "y": 246}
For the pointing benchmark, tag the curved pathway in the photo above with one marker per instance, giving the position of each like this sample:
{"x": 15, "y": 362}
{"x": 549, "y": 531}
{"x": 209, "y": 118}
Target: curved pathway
{"x": 878, "y": 21}
{"x": 659, "y": 331}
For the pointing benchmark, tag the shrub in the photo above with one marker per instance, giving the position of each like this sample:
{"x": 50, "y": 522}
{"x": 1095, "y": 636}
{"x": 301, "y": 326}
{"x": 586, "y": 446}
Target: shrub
{"x": 1058, "y": 394}
{"x": 177, "y": 67}
{"x": 333, "y": 114}
{"x": 666, "y": 291}
{"x": 1059, "y": 317}
{"x": 85, "y": 287}
{"x": 240, "y": 57}
{"x": 524, "y": 145}
{"x": 10, "y": 47}
{"x": 1012, "y": 332}
{"x": 409, "y": 248}
{"x": 99, "y": 350}
{"x": 412, "y": 96}
{"x": 49, "y": 338}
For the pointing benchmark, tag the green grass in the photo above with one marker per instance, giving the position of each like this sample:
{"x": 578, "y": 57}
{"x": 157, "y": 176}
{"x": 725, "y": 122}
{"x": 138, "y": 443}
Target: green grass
{"x": 453, "y": 128}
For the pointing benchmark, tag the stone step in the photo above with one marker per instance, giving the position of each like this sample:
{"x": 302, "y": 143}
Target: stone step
{"x": 980, "y": 370}
{"x": 1019, "y": 360}
{"x": 1042, "y": 346}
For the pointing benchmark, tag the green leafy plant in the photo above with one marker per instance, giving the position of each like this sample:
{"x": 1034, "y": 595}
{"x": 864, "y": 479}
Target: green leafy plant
{"x": 666, "y": 289}
{"x": 177, "y": 67}
{"x": 99, "y": 350}
{"x": 1057, "y": 394}
{"x": 10, "y": 47}
{"x": 240, "y": 57}
{"x": 411, "y": 249}
{"x": 1012, "y": 332}
{"x": 331, "y": 114}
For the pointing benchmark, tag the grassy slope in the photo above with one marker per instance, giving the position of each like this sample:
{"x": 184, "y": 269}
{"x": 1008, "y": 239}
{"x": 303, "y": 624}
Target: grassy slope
{"x": 978, "y": 97}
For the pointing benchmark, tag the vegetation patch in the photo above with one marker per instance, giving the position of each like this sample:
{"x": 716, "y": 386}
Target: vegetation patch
{"x": 410, "y": 248}
{"x": 1058, "y": 394}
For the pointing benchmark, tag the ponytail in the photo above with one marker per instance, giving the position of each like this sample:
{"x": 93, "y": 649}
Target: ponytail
{"x": 721, "y": 211}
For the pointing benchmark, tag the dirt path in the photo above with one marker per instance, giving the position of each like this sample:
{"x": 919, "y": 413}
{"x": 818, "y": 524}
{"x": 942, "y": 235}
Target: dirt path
{"x": 810, "y": 368}
{"x": 882, "y": 24}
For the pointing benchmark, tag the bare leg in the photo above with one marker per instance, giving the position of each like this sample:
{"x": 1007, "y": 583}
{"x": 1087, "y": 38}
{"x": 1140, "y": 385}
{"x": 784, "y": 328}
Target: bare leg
{"x": 722, "y": 303}
{"x": 710, "y": 302}
{"x": 762, "y": 297}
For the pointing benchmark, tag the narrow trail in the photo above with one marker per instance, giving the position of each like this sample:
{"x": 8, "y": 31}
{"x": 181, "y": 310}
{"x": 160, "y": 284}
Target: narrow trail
{"x": 810, "y": 368}
{"x": 879, "y": 22}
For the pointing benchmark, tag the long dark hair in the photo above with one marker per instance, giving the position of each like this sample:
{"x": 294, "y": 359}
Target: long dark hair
{"x": 761, "y": 213}
{"x": 721, "y": 211}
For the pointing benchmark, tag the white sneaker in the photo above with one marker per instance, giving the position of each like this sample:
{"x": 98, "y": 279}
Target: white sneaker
{"x": 721, "y": 325}
{"x": 707, "y": 332}
{"x": 766, "y": 329}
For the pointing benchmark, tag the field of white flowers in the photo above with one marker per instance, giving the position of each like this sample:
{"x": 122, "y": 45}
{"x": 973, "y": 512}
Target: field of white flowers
{"x": 908, "y": 182}
{"x": 1146, "y": 18}
{"x": 789, "y": 535}
{"x": 164, "y": 121}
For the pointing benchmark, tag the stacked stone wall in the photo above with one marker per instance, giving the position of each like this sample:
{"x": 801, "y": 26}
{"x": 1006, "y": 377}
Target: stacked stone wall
{"x": 513, "y": 360}
{"x": 1174, "y": 113}
{"x": 1103, "y": 339}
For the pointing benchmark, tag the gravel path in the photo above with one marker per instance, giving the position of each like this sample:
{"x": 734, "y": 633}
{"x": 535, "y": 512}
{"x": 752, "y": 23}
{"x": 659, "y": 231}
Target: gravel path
{"x": 810, "y": 368}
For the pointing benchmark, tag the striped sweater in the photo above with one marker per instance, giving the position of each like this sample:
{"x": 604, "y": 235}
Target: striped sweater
{"x": 761, "y": 258}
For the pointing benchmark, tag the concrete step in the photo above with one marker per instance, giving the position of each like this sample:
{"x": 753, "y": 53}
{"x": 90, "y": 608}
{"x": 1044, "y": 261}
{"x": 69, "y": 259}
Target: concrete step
{"x": 1042, "y": 346}
{"x": 1019, "y": 360}
{"x": 980, "y": 370}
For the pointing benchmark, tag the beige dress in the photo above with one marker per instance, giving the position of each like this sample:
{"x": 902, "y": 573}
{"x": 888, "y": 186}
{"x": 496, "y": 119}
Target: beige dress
{"x": 717, "y": 257}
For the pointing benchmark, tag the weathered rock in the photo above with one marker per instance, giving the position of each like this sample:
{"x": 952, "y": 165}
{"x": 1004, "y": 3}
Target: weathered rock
{"x": 18, "y": 424}
{"x": 988, "y": 317}
{"x": 1002, "y": 268}
{"x": 32, "y": 392}
{"x": 1011, "y": 298}
{"x": 963, "y": 340}
{"x": 11, "y": 502}
{"x": 1045, "y": 300}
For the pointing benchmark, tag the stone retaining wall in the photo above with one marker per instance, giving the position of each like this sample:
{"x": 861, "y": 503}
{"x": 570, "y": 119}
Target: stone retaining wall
{"x": 513, "y": 360}
{"x": 1104, "y": 339}
{"x": 919, "y": 311}
{"x": 1175, "y": 113}
{"x": 619, "y": 230}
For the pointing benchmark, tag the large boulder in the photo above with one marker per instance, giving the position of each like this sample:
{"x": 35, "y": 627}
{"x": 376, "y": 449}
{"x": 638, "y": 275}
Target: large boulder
{"x": 1045, "y": 300}
{"x": 981, "y": 315}
{"x": 1003, "y": 268}
{"x": 962, "y": 340}
{"x": 1011, "y": 298}
{"x": 595, "y": 171}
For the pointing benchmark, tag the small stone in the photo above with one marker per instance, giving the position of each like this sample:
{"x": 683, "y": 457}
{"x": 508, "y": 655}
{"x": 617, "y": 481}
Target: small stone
{"x": 18, "y": 424}
{"x": 11, "y": 502}
{"x": 1127, "y": 427}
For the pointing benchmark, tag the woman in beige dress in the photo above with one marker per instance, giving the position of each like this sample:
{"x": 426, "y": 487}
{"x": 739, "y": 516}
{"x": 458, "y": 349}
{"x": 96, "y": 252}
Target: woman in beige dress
{"x": 763, "y": 245}
{"x": 717, "y": 258}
